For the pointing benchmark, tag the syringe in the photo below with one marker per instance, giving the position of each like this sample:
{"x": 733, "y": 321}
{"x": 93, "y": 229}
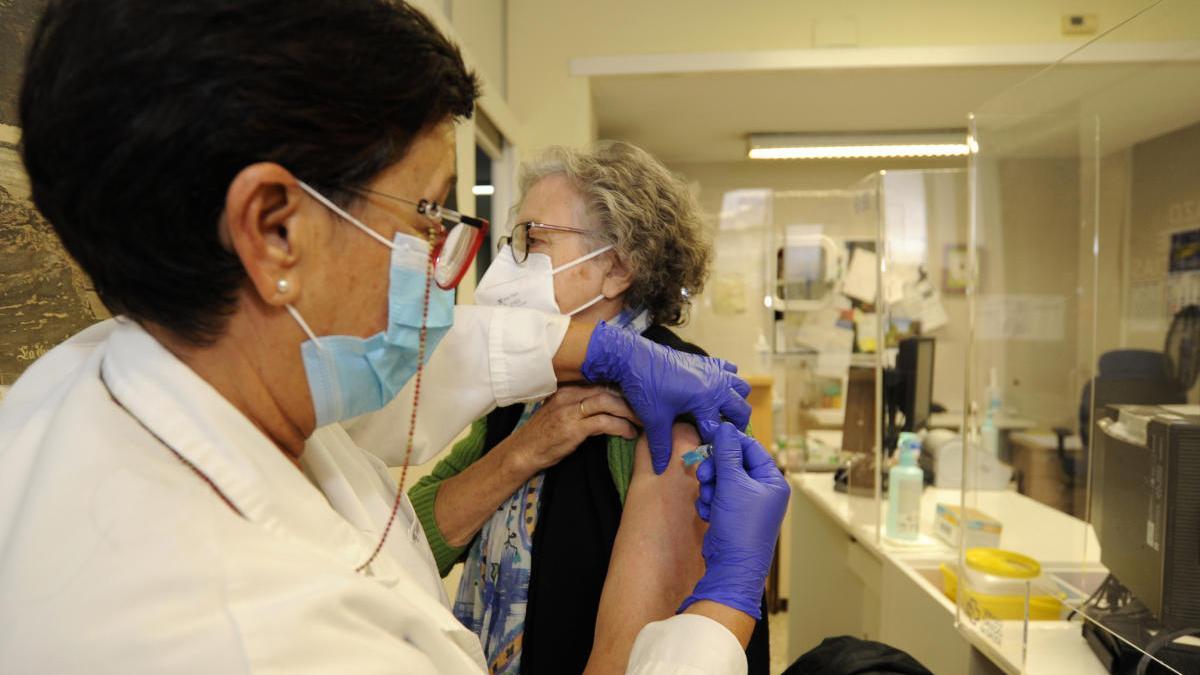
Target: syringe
{"x": 698, "y": 455}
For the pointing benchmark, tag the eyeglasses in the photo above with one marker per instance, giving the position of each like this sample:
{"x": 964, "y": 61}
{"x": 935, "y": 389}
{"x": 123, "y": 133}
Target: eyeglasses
{"x": 457, "y": 243}
{"x": 518, "y": 239}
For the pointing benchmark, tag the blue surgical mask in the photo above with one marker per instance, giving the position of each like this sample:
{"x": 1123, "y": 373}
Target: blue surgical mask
{"x": 350, "y": 376}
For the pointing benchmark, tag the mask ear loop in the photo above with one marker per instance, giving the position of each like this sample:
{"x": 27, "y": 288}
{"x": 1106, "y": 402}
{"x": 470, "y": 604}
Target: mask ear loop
{"x": 585, "y": 305}
{"x": 582, "y": 259}
{"x": 579, "y": 261}
{"x": 412, "y": 421}
{"x": 345, "y": 214}
{"x": 303, "y": 325}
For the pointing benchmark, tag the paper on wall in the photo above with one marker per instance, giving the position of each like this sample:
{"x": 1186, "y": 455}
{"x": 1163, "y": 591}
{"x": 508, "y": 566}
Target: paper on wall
{"x": 1182, "y": 289}
{"x": 1147, "y": 303}
{"x": 930, "y": 310}
{"x": 1032, "y": 318}
{"x": 729, "y": 293}
{"x": 868, "y": 331}
{"x": 825, "y": 317}
{"x": 833, "y": 365}
{"x": 744, "y": 209}
{"x": 893, "y": 288}
{"x": 861, "y": 276}
{"x": 898, "y": 282}
{"x": 922, "y": 302}
{"x": 909, "y": 305}
{"x": 833, "y": 346}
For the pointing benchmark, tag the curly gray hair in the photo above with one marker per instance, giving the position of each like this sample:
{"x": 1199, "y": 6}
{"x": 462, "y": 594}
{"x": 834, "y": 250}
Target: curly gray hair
{"x": 647, "y": 213}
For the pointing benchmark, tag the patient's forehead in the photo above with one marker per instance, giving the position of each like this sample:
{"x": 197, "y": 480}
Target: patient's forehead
{"x": 553, "y": 200}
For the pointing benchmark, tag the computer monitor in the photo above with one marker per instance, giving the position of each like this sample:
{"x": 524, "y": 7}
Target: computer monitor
{"x": 915, "y": 360}
{"x": 908, "y": 391}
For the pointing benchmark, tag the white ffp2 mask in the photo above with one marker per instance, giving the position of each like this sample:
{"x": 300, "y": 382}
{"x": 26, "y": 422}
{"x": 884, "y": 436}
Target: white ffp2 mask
{"x": 529, "y": 284}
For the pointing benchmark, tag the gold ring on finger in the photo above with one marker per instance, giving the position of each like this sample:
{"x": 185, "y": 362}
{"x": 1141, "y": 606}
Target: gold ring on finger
{"x": 582, "y": 414}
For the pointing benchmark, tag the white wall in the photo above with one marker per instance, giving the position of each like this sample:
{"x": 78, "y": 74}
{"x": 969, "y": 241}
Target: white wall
{"x": 608, "y": 27}
{"x": 1030, "y": 245}
{"x": 480, "y": 25}
{"x": 1164, "y": 196}
{"x": 556, "y": 108}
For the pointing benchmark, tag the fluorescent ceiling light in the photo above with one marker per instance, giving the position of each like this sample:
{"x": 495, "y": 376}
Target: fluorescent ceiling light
{"x": 483, "y": 190}
{"x": 861, "y": 151}
{"x": 859, "y": 146}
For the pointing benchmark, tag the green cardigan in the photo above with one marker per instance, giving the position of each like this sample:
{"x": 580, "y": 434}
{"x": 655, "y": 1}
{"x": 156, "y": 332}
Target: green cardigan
{"x": 465, "y": 453}
{"x": 469, "y": 450}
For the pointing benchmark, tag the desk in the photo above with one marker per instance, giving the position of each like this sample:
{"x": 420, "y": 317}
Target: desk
{"x": 823, "y": 418}
{"x": 953, "y": 421}
{"x": 831, "y": 418}
{"x": 844, "y": 582}
{"x": 1042, "y": 475}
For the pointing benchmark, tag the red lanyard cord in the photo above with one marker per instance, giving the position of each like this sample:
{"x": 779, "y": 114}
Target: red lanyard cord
{"x": 186, "y": 462}
{"x": 412, "y": 422}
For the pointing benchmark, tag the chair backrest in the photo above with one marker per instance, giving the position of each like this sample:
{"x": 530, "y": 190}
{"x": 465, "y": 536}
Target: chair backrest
{"x": 1133, "y": 363}
{"x": 1127, "y": 376}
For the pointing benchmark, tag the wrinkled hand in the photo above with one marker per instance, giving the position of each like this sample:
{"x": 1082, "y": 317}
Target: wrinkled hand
{"x": 743, "y": 496}
{"x": 662, "y": 384}
{"x": 566, "y": 419}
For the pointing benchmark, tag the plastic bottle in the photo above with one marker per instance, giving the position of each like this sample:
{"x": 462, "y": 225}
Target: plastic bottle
{"x": 905, "y": 484}
{"x": 993, "y": 393}
{"x": 989, "y": 434}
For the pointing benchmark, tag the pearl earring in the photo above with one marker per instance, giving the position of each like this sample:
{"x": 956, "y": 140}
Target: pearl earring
{"x": 283, "y": 286}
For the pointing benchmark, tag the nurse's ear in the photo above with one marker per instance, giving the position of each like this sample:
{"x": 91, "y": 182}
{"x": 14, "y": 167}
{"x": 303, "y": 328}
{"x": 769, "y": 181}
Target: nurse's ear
{"x": 618, "y": 276}
{"x": 264, "y": 226}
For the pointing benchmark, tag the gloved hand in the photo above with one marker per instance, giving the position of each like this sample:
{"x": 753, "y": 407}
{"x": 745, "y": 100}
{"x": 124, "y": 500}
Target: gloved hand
{"x": 743, "y": 496}
{"x": 661, "y": 384}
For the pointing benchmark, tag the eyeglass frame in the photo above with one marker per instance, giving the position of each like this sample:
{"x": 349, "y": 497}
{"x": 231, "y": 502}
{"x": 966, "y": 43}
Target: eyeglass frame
{"x": 529, "y": 225}
{"x": 441, "y": 216}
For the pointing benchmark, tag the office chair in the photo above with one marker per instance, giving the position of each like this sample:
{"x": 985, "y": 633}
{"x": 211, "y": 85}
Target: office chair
{"x": 1136, "y": 376}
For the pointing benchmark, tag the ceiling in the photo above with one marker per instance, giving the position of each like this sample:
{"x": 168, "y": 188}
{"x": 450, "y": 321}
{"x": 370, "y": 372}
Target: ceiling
{"x": 691, "y": 116}
{"x": 707, "y": 116}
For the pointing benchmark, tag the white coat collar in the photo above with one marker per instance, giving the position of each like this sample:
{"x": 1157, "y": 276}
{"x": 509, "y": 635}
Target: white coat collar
{"x": 207, "y": 432}
{"x": 192, "y": 419}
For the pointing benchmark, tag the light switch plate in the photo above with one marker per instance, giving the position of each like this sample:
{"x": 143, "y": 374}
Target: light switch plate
{"x": 1080, "y": 24}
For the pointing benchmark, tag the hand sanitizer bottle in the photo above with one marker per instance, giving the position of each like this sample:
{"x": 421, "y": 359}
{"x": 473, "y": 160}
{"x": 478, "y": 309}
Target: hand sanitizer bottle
{"x": 905, "y": 484}
{"x": 989, "y": 434}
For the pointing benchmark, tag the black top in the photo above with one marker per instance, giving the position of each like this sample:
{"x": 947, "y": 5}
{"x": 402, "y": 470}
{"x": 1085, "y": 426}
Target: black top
{"x": 578, "y": 517}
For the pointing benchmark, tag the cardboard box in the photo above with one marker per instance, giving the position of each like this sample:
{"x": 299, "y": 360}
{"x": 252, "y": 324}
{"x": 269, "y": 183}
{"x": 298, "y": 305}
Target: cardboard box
{"x": 981, "y": 529}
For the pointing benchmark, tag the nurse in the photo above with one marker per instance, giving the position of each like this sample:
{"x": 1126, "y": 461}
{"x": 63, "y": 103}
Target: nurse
{"x": 252, "y": 187}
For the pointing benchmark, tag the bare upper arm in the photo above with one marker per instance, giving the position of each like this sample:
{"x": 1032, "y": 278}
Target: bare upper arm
{"x": 684, "y": 439}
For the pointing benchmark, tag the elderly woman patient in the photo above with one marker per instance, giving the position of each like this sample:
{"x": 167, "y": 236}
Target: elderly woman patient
{"x": 545, "y": 501}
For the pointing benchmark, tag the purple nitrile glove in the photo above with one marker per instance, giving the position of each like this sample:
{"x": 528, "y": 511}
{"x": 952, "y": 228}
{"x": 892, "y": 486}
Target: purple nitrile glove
{"x": 662, "y": 384}
{"x": 743, "y": 496}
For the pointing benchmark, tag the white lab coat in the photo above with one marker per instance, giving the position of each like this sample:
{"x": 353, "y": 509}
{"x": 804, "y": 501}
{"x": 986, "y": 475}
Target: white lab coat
{"x": 146, "y": 526}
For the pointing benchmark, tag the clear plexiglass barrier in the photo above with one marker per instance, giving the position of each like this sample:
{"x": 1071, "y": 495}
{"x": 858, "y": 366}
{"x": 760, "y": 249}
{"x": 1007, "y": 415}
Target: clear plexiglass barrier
{"x": 864, "y": 288}
{"x": 1082, "y": 354}
{"x": 826, "y": 373}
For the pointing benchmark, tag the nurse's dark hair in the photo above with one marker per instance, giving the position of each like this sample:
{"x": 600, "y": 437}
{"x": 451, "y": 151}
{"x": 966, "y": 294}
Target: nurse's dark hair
{"x": 137, "y": 115}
